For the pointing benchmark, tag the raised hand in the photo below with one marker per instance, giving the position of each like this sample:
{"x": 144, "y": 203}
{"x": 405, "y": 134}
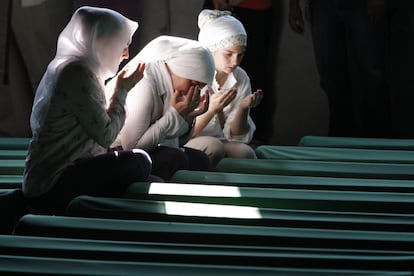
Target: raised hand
{"x": 190, "y": 104}
{"x": 252, "y": 100}
{"x": 128, "y": 77}
{"x": 202, "y": 106}
{"x": 220, "y": 100}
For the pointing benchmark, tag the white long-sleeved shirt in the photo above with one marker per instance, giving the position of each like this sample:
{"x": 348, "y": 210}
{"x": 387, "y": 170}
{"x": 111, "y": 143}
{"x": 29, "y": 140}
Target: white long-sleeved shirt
{"x": 151, "y": 119}
{"x": 240, "y": 80}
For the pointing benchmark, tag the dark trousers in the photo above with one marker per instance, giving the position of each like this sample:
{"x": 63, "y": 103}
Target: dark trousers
{"x": 350, "y": 57}
{"x": 400, "y": 22}
{"x": 104, "y": 175}
{"x": 167, "y": 160}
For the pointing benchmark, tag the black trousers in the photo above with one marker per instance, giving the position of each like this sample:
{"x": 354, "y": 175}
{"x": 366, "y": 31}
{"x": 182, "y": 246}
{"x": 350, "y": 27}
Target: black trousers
{"x": 103, "y": 175}
{"x": 167, "y": 160}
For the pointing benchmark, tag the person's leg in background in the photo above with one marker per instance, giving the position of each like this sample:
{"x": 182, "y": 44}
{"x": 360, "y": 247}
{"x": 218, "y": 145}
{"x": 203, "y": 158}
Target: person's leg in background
{"x": 400, "y": 63}
{"x": 331, "y": 55}
{"x": 367, "y": 45}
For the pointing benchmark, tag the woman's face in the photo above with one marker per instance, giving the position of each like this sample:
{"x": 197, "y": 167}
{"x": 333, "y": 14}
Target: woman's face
{"x": 182, "y": 84}
{"x": 229, "y": 58}
{"x": 112, "y": 49}
{"x": 125, "y": 54}
{"x": 111, "y": 52}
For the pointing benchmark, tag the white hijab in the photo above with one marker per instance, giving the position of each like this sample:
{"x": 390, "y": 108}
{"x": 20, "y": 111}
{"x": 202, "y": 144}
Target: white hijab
{"x": 97, "y": 37}
{"x": 219, "y": 30}
{"x": 186, "y": 58}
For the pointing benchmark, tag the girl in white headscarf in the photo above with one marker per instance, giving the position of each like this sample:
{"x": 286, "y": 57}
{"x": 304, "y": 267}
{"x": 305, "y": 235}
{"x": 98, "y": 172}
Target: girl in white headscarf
{"x": 72, "y": 125}
{"x": 226, "y": 128}
{"x": 162, "y": 107}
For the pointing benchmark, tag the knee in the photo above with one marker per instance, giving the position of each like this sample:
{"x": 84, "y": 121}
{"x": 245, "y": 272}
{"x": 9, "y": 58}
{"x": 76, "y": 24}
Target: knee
{"x": 249, "y": 152}
{"x": 138, "y": 163}
{"x": 167, "y": 160}
{"x": 240, "y": 150}
{"x": 143, "y": 157}
{"x": 211, "y": 146}
{"x": 215, "y": 151}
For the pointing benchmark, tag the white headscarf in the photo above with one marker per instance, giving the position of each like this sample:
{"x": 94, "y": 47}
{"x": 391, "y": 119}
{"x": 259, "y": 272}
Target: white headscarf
{"x": 97, "y": 37}
{"x": 219, "y": 30}
{"x": 186, "y": 58}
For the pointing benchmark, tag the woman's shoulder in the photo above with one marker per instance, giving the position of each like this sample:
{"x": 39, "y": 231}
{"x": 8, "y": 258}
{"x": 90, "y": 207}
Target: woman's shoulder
{"x": 75, "y": 73}
{"x": 76, "y": 67}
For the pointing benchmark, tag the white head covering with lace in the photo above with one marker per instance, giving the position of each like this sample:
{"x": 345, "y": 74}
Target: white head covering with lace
{"x": 219, "y": 30}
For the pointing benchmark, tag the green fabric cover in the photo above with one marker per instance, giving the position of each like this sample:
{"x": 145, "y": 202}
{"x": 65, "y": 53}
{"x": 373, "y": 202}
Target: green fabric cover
{"x": 21, "y": 265}
{"x": 293, "y": 181}
{"x": 317, "y": 168}
{"x": 119, "y": 208}
{"x": 358, "y": 143}
{"x": 303, "y": 199}
{"x": 211, "y": 234}
{"x": 11, "y": 181}
{"x": 12, "y": 167}
{"x": 18, "y": 265}
{"x": 334, "y": 154}
{"x": 14, "y": 143}
{"x": 13, "y": 154}
{"x": 219, "y": 259}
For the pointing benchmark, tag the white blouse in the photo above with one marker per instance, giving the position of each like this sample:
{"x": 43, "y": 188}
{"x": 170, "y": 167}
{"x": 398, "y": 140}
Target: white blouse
{"x": 240, "y": 80}
{"x": 151, "y": 120}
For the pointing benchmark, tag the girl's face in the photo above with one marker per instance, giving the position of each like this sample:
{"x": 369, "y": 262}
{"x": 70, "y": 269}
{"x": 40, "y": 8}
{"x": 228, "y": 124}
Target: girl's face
{"x": 229, "y": 58}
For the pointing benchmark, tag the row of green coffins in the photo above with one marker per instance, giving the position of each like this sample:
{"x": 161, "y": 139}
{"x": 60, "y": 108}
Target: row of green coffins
{"x": 244, "y": 223}
{"x": 23, "y": 255}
